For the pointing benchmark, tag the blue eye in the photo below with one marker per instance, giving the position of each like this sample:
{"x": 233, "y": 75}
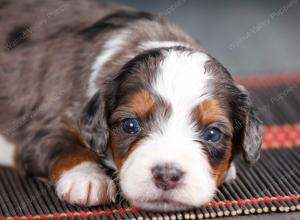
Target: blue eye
{"x": 212, "y": 134}
{"x": 131, "y": 126}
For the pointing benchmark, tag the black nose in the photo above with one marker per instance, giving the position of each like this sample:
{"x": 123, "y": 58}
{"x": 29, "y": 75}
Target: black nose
{"x": 166, "y": 177}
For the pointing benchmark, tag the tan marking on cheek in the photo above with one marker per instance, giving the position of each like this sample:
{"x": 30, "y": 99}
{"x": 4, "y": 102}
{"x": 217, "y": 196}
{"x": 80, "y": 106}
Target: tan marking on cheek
{"x": 69, "y": 160}
{"x": 209, "y": 111}
{"x": 119, "y": 158}
{"x": 221, "y": 168}
{"x": 141, "y": 103}
{"x": 116, "y": 154}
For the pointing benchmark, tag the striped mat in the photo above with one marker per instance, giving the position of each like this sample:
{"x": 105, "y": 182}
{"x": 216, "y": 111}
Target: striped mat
{"x": 271, "y": 186}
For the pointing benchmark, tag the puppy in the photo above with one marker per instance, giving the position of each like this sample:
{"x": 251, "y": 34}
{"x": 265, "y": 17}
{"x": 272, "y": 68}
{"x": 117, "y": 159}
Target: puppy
{"x": 91, "y": 86}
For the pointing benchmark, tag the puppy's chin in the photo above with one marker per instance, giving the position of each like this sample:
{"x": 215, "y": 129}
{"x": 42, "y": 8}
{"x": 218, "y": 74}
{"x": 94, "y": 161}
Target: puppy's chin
{"x": 169, "y": 201}
{"x": 166, "y": 204}
{"x": 161, "y": 205}
{"x": 196, "y": 187}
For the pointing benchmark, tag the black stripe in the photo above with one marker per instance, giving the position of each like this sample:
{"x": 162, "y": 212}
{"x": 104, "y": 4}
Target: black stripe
{"x": 20, "y": 36}
{"x": 114, "y": 21}
{"x": 3, "y": 4}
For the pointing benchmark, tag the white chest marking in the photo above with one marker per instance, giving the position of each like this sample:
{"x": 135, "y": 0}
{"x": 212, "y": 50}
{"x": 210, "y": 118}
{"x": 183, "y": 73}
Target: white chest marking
{"x": 6, "y": 152}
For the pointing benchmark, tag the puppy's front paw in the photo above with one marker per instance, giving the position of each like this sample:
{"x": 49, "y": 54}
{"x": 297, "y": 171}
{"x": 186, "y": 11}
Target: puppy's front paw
{"x": 86, "y": 185}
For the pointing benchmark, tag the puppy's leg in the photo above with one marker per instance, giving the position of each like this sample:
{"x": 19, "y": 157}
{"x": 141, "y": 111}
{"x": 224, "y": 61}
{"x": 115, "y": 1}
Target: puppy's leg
{"x": 73, "y": 169}
{"x": 80, "y": 180}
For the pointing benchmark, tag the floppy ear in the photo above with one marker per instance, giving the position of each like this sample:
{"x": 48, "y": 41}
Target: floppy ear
{"x": 93, "y": 124}
{"x": 248, "y": 131}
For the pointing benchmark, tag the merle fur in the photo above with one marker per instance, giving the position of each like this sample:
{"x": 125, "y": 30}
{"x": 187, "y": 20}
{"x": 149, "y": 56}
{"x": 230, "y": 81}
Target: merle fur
{"x": 44, "y": 94}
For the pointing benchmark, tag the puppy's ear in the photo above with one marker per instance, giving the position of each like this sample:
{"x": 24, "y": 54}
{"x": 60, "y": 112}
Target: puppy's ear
{"x": 93, "y": 124}
{"x": 248, "y": 131}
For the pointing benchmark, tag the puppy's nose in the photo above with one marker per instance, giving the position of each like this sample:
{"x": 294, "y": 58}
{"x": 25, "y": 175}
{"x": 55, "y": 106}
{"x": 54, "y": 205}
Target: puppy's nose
{"x": 166, "y": 177}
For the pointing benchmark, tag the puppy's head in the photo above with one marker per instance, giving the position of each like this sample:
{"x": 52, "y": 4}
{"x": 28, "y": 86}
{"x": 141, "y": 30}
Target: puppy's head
{"x": 173, "y": 119}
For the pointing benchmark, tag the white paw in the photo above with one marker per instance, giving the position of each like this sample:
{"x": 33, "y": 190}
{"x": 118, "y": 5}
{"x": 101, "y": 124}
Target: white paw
{"x": 231, "y": 173}
{"x": 86, "y": 185}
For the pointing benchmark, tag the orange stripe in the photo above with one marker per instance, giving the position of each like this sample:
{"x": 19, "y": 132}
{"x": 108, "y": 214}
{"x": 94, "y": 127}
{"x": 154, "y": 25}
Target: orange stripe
{"x": 108, "y": 212}
{"x": 253, "y": 200}
{"x": 266, "y": 80}
{"x": 281, "y": 136}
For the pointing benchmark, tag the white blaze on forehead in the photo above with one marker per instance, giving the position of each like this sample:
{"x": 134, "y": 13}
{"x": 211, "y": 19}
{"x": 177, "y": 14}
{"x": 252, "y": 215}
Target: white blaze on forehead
{"x": 183, "y": 83}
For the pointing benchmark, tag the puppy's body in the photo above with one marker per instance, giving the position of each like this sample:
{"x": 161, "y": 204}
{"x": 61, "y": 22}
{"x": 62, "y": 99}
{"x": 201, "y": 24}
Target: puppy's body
{"x": 75, "y": 73}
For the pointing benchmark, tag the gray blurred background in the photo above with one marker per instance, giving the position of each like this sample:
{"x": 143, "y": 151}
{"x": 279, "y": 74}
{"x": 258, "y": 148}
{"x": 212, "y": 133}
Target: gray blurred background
{"x": 246, "y": 36}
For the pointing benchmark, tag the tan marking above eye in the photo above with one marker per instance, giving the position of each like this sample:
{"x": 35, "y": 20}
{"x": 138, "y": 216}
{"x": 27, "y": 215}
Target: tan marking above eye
{"x": 141, "y": 103}
{"x": 209, "y": 111}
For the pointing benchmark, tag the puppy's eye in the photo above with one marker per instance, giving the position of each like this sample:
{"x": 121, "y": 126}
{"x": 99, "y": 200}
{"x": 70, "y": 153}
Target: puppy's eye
{"x": 131, "y": 126}
{"x": 212, "y": 134}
